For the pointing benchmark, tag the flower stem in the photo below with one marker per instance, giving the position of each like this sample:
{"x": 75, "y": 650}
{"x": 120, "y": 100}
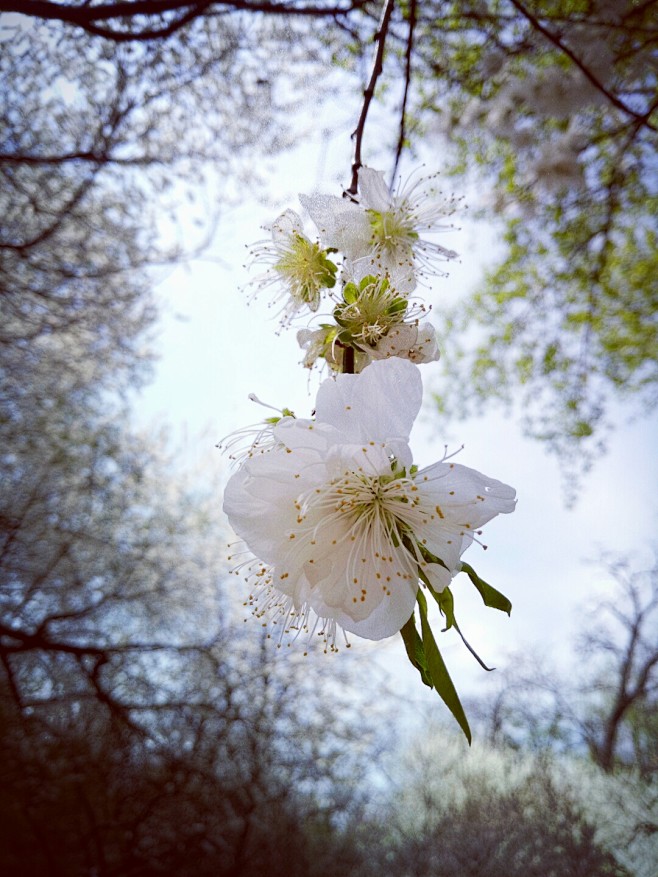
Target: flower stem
{"x": 348, "y": 361}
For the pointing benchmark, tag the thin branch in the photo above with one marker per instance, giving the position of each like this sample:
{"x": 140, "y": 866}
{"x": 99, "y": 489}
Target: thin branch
{"x": 90, "y": 157}
{"x": 641, "y": 118}
{"x": 377, "y": 67}
{"x": 407, "y": 84}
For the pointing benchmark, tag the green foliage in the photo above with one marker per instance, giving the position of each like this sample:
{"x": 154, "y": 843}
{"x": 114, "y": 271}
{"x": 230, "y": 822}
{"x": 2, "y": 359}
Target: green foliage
{"x": 490, "y": 596}
{"x": 566, "y": 321}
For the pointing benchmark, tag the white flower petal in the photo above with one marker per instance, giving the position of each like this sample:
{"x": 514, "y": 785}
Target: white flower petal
{"x": 288, "y": 223}
{"x": 439, "y": 577}
{"x": 374, "y": 193}
{"x": 380, "y": 404}
{"x": 340, "y": 223}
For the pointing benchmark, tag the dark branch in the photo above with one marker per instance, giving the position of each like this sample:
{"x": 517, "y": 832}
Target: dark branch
{"x": 88, "y": 17}
{"x": 377, "y": 67}
{"x": 84, "y": 156}
{"x": 407, "y": 84}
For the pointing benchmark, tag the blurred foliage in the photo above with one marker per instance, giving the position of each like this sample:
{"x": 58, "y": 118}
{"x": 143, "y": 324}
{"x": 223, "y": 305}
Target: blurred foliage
{"x": 552, "y": 108}
{"x": 143, "y": 732}
{"x": 496, "y": 812}
{"x": 607, "y": 707}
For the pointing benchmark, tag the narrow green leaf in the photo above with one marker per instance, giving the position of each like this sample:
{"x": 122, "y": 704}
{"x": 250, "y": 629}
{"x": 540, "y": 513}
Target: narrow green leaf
{"x": 439, "y": 672}
{"x": 415, "y": 650}
{"x": 445, "y": 600}
{"x": 489, "y": 594}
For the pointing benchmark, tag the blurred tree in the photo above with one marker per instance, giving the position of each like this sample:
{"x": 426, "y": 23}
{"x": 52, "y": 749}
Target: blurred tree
{"x": 212, "y": 781}
{"x": 621, "y": 645}
{"x": 101, "y": 143}
{"x": 555, "y": 106}
{"x": 610, "y": 706}
{"x": 142, "y": 733}
{"x": 489, "y": 813}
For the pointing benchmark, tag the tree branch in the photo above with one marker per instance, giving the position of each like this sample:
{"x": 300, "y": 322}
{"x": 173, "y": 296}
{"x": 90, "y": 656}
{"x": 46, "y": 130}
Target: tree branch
{"x": 377, "y": 67}
{"x": 641, "y": 118}
{"x": 87, "y": 17}
{"x": 407, "y": 84}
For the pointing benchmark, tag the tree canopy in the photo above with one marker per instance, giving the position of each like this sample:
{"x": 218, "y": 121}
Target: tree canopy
{"x": 142, "y": 731}
{"x": 551, "y": 105}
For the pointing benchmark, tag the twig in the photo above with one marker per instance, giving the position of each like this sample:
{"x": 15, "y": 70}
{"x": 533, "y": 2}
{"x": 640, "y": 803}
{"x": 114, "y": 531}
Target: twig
{"x": 405, "y": 96}
{"x": 377, "y": 67}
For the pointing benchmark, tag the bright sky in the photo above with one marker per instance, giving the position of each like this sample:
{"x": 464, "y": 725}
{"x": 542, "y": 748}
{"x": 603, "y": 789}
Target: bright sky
{"x": 216, "y": 349}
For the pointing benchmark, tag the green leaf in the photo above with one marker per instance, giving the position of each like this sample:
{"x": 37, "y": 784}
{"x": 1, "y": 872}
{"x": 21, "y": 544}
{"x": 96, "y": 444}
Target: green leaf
{"x": 438, "y": 671}
{"x": 489, "y": 594}
{"x": 447, "y": 606}
{"x": 445, "y": 601}
{"x": 415, "y": 650}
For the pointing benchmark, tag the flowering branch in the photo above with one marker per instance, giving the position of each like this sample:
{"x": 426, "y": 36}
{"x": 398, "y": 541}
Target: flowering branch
{"x": 377, "y": 67}
{"x": 341, "y": 530}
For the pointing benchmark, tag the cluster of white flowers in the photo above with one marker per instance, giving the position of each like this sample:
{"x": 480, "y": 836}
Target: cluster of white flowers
{"x": 373, "y": 249}
{"x": 342, "y": 522}
{"x": 341, "y": 529}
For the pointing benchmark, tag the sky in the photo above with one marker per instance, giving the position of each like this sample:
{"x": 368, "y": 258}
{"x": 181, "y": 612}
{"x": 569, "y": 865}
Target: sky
{"x": 216, "y": 347}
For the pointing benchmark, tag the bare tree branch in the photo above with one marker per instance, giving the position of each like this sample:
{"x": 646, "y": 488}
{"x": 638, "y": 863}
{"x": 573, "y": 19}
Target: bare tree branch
{"x": 407, "y": 84}
{"x": 377, "y": 67}
{"x": 87, "y": 16}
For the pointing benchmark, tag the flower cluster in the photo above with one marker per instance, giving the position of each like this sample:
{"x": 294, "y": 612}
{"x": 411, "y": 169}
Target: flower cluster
{"x": 342, "y": 530}
{"x": 373, "y": 249}
{"x": 341, "y": 521}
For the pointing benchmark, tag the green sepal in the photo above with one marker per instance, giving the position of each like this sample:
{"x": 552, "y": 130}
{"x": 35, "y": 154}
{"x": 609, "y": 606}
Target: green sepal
{"x": 415, "y": 650}
{"x": 444, "y": 598}
{"x": 438, "y": 672}
{"x": 397, "y": 306}
{"x": 371, "y": 280}
{"x": 490, "y": 596}
{"x": 345, "y": 338}
{"x": 350, "y": 293}
{"x": 447, "y": 606}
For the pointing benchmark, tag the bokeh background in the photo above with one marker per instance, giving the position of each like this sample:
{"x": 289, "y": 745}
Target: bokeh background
{"x": 149, "y": 725}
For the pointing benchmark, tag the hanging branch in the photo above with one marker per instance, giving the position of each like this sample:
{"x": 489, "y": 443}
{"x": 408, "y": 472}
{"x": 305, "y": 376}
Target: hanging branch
{"x": 377, "y": 67}
{"x": 407, "y": 84}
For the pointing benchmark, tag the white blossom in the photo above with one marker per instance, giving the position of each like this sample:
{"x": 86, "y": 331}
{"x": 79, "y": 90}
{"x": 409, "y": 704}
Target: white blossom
{"x": 386, "y": 233}
{"x": 342, "y": 524}
{"x": 319, "y": 344}
{"x": 298, "y": 268}
{"x": 377, "y": 322}
{"x": 414, "y": 341}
